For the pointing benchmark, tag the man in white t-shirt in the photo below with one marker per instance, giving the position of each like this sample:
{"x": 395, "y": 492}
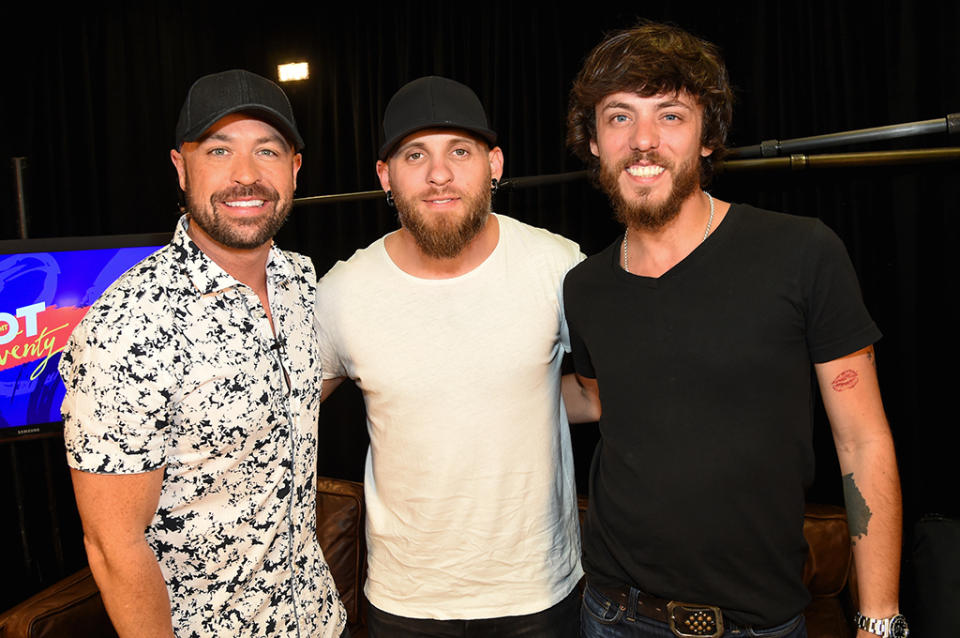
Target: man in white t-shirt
{"x": 453, "y": 329}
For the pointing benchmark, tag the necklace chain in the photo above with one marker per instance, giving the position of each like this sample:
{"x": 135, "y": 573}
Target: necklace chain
{"x": 706, "y": 232}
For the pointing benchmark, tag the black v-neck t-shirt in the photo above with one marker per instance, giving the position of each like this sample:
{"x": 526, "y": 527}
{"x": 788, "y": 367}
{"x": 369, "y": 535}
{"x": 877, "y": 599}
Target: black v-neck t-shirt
{"x": 697, "y": 485}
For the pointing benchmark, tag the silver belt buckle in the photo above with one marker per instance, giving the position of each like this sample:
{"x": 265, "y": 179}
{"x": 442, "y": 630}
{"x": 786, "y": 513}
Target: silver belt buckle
{"x": 687, "y": 620}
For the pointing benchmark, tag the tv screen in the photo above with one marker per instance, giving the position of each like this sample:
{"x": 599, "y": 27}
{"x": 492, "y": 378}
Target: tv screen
{"x": 46, "y": 287}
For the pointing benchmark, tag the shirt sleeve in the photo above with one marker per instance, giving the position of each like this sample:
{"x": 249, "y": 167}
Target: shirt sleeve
{"x": 116, "y": 368}
{"x": 582, "y": 363}
{"x": 837, "y": 319}
{"x": 564, "y": 328}
{"x": 325, "y": 319}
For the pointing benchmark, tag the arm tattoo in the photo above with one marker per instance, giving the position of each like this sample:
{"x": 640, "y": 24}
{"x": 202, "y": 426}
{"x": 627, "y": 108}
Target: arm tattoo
{"x": 845, "y": 380}
{"x": 858, "y": 514}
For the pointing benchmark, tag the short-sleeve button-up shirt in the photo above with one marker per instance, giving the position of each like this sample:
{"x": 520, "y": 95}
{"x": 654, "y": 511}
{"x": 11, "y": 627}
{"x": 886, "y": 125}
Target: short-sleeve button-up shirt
{"x": 176, "y": 366}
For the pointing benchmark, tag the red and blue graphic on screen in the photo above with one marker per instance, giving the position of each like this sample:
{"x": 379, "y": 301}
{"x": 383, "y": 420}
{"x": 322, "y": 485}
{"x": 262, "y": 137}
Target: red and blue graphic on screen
{"x": 43, "y": 295}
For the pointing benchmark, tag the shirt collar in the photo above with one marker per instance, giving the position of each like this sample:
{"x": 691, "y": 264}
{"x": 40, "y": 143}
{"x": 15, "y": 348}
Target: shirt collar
{"x": 207, "y": 276}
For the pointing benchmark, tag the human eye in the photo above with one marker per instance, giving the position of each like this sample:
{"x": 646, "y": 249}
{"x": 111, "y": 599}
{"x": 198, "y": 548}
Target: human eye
{"x": 461, "y": 152}
{"x": 619, "y": 118}
{"x": 217, "y": 151}
{"x": 268, "y": 152}
{"x": 413, "y": 156}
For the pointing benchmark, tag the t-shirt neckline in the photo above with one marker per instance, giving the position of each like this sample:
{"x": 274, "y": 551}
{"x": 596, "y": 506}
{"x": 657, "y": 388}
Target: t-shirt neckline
{"x": 716, "y": 238}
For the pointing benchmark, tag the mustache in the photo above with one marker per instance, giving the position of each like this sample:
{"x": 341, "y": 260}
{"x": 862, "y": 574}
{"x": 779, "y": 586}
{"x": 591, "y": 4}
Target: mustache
{"x": 645, "y": 156}
{"x": 443, "y": 193}
{"x": 258, "y": 191}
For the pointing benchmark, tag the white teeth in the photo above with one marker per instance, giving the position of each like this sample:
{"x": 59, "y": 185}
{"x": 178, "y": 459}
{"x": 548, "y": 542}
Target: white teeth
{"x": 645, "y": 171}
{"x": 440, "y": 201}
{"x": 248, "y": 203}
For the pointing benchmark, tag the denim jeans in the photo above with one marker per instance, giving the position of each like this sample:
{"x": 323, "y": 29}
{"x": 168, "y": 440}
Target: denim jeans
{"x": 601, "y": 617}
{"x": 559, "y": 621}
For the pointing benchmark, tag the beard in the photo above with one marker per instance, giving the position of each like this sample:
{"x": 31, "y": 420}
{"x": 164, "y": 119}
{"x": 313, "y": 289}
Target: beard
{"x": 646, "y": 214}
{"x": 446, "y": 237}
{"x": 239, "y": 233}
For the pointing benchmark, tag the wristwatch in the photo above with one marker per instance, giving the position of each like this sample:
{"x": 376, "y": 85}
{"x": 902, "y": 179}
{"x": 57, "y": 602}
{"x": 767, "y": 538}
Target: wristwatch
{"x": 893, "y": 627}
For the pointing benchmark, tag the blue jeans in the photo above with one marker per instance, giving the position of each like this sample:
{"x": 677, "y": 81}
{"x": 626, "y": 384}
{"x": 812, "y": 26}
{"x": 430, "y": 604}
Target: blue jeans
{"x": 601, "y": 617}
{"x": 559, "y": 621}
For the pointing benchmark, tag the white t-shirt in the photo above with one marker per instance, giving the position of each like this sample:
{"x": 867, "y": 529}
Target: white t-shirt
{"x": 471, "y": 502}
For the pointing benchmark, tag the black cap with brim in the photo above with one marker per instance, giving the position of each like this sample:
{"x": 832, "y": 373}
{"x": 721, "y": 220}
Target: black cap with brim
{"x": 215, "y": 96}
{"x": 433, "y": 102}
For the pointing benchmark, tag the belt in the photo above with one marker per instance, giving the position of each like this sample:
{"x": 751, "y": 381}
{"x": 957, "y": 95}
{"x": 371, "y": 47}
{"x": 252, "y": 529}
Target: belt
{"x": 686, "y": 620}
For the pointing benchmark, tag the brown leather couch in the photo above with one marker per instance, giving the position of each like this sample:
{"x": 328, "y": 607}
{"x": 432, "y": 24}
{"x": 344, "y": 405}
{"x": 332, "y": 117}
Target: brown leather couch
{"x": 72, "y": 607}
{"x": 828, "y": 572}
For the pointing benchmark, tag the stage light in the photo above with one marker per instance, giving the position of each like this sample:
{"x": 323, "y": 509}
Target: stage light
{"x": 293, "y": 71}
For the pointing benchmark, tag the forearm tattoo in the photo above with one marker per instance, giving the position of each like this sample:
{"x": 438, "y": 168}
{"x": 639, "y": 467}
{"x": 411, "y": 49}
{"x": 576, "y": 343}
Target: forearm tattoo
{"x": 858, "y": 514}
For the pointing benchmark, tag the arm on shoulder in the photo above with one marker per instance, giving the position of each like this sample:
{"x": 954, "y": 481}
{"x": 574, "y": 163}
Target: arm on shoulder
{"x": 581, "y": 396}
{"x": 115, "y": 509}
{"x": 871, "y": 484}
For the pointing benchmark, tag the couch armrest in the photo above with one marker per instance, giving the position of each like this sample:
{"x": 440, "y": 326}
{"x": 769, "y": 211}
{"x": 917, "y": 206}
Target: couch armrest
{"x": 827, "y": 570}
{"x": 340, "y": 529}
{"x": 829, "y": 556}
{"x": 70, "y": 607}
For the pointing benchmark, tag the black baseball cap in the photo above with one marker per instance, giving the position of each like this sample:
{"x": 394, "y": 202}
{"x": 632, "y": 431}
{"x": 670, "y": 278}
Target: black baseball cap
{"x": 433, "y": 102}
{"x": 220, "y": 94}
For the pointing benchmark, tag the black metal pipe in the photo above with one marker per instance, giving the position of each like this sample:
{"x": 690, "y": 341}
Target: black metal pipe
{"x": 19, "y": 165}
{"x": 799, "y": 161}
{"x": 795, "y": 161}
{"x": 775, "y": 148}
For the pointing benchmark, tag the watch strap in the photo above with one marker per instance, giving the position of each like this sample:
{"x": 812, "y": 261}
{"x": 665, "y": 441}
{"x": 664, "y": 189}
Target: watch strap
{"x": 876, "y": 626}
{"x": 882, "y": 626}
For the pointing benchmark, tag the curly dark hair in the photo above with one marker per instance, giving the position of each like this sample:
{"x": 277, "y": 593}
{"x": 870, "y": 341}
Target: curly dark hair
{"x": 651, "y": 59}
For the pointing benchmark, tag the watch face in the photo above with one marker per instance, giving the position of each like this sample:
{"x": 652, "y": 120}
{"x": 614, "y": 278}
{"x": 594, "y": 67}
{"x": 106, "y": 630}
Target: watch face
{"x": 898, "y": 627}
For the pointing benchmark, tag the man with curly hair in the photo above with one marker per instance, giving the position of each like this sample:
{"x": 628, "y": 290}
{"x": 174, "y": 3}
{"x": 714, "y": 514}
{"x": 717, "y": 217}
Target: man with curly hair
{"x": 697, "y": 329}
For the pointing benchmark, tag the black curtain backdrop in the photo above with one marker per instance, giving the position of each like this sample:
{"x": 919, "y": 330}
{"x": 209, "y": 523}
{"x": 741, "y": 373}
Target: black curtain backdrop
{"x": 91, "y": 98}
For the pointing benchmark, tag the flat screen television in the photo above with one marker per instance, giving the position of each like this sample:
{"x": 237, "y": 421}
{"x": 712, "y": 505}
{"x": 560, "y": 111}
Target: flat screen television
{"x": 46, "y": 287}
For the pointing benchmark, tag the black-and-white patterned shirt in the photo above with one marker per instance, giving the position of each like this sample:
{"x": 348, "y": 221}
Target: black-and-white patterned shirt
{"x": 176, "y": 367}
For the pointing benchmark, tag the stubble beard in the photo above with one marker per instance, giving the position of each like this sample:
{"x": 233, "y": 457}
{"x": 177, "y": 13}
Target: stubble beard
{"x": 239, "y": 233}
{"x": 644, "y": 214}
{"x": 446, "y": 238}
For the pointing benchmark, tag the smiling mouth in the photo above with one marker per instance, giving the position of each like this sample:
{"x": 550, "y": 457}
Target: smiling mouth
{"x": 645, "y": 171}
{"x": 246, "y": 203}
{"x": 241, "y": 198}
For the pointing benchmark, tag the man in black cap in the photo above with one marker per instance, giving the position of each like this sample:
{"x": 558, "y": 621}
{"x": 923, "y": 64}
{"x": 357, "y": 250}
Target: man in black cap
{"x": 452, "y": 328}
{"x": 191, "y": 407}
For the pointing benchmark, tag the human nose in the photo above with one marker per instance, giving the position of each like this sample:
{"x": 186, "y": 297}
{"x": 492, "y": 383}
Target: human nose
{"x": 245, "y": 170}
{"x": 439, "y": 173}
{"x": 645, "y": 136}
